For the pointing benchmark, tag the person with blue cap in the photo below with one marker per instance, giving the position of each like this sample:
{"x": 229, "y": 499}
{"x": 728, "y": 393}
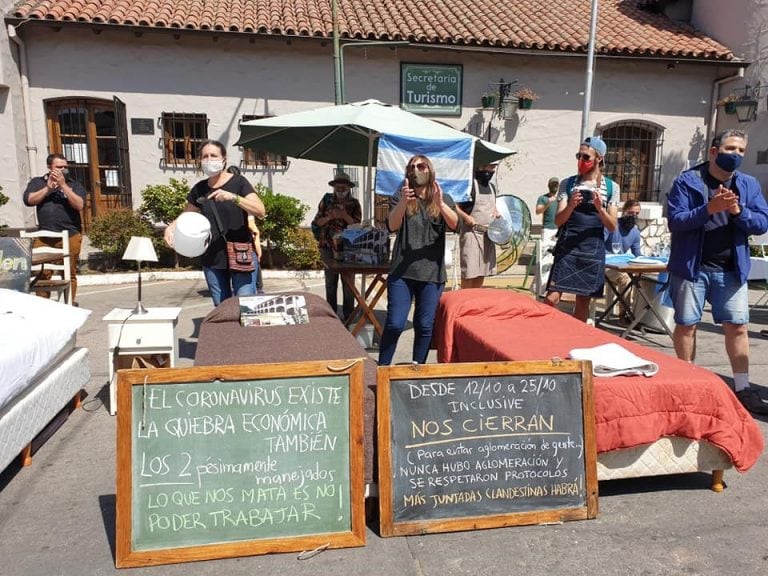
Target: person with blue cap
{"x": 587, "y": 206}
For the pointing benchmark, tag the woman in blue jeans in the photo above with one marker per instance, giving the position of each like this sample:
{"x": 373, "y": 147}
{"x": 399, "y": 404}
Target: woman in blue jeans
{"x": 420, "y": 215}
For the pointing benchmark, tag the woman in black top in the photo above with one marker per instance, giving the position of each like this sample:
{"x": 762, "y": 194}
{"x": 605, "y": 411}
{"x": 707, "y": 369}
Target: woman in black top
{"x": 420, "y": 215}
{"x": 235, "y": 199}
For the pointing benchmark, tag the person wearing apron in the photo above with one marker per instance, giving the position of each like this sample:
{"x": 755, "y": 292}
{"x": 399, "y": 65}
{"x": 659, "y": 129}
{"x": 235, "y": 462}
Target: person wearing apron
{"x": 587, "y": 205}
{"x": 477, "y": 254}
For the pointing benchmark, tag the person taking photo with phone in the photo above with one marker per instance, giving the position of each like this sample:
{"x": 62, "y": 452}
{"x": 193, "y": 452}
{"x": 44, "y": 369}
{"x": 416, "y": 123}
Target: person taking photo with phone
{"x": 587, "y": 205}
{"x": 420, "y": 215}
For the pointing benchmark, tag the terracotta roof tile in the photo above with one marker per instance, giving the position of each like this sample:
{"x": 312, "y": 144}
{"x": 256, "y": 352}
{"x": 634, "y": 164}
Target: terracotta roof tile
{"x": 626, "y": 27}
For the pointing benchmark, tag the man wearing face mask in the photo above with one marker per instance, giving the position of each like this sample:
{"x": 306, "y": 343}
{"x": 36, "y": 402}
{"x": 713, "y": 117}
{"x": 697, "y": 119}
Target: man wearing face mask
{"x": 58, "y": 200}
{"x": 712, "y": 210}
{"x": 587, "y": 205}
{"x": 477, "y": 254}
{"x": 628, "y": 235}
{"x": 336, "y": 211}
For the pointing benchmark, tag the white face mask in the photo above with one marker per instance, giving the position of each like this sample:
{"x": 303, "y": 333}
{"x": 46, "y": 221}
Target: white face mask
{"x": 212, "y": 167}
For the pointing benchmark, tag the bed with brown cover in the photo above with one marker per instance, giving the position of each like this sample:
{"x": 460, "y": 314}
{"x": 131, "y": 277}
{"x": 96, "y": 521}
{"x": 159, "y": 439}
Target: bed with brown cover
{"x": 223, "y": 341}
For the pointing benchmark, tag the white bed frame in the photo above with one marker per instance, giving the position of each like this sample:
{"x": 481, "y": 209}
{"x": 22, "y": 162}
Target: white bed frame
{"x": 27, "y": 414}
{"x": 668, "y": 455}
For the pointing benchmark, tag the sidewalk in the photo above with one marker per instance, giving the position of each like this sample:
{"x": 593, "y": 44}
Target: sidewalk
{"x": 57, "y": 516}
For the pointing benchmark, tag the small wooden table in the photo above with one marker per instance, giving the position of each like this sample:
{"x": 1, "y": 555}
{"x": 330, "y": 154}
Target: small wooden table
{"x": 130, "y": 335}
{"x": 366, "y": 302}
{"x": 637, "y": 273}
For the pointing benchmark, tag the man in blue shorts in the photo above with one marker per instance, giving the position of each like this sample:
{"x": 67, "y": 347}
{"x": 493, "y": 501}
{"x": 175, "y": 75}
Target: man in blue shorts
{"x": 712, "y": 210}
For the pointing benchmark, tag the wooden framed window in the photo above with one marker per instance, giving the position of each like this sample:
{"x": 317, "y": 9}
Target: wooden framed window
{"x": 255, "y": 159}
{"x": 182, "y": 135}
{"x": 634, "y": 158}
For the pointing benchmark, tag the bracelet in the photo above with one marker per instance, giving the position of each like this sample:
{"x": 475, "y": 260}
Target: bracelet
{"x": 236, "y": 199}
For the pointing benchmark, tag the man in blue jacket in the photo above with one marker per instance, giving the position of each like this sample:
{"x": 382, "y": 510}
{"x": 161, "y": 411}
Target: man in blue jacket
{"x": 712, "y": 209}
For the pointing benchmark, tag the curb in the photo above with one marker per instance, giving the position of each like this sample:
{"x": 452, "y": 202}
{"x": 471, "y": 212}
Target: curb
{"x": 150, "y": 276}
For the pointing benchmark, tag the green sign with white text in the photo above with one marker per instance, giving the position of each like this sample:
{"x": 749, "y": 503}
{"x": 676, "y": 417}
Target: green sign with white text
{"x": 431, "y": 88}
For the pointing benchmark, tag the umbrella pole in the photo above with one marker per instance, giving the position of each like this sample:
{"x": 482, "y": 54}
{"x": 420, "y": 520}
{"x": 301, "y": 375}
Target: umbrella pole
{"x": 369, "y": 180}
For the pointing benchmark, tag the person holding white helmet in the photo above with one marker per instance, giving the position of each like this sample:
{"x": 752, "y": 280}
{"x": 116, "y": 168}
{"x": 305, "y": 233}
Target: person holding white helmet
{"x": 226, "y": 200}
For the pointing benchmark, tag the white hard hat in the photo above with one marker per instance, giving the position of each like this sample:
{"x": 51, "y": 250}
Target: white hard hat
{"x": 192, "y": 234}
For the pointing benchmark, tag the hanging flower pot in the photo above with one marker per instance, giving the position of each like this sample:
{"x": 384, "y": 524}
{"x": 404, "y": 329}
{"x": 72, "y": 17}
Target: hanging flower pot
{"x": 730, "y": 107}
{"x": 488, "y": 101}
{"x": 525, "y": 98}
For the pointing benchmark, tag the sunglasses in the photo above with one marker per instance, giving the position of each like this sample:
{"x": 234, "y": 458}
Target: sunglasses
{"x": 585, "y": 157}
{"x": 421, "y": 167}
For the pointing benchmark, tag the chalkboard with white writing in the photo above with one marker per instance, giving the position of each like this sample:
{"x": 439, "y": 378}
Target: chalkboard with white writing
{"x": 482, "y": 445}
{"x": 225, "y": 461}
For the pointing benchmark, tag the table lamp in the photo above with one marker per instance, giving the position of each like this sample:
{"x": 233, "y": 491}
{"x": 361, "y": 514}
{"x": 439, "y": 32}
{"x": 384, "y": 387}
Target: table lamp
{"x": 140, "y": 249}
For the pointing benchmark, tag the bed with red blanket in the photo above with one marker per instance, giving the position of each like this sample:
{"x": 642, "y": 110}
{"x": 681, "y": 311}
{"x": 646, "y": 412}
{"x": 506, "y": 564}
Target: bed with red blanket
{"x": 683, "y": 419}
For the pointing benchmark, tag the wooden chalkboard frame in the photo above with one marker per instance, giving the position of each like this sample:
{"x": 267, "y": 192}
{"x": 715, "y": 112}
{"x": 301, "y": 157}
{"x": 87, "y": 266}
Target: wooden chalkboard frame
{"x": 126, "y": 557}
{"x": 386, "y": 375}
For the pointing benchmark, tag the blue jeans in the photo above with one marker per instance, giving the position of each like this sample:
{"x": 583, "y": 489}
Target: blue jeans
{"x": 729, "y": 298}
{"x": 223, "y": 284}
{"x": 256, "y": 281}
{"x": 331, "y": 286}
{"x": 400, "y": 293}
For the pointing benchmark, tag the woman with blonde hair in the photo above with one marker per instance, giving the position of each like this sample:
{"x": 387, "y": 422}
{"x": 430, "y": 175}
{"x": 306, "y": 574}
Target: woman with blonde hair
{"x": 420, "y": 215}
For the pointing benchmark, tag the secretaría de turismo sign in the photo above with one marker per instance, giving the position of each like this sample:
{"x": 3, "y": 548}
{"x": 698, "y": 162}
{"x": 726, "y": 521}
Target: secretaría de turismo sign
{"x": 431, "y": 88}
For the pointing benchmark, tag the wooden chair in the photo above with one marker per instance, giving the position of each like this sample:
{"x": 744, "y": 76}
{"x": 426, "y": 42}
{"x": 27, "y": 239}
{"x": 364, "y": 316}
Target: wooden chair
{"x": 60, "y": 281}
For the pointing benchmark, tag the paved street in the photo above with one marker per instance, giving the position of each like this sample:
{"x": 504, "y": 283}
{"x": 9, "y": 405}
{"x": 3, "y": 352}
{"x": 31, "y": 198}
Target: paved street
{"x": 57, "y": 516}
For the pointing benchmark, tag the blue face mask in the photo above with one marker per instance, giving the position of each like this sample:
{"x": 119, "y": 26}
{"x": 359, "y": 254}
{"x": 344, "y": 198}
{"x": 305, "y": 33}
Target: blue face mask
{"x": 728, "y": 162}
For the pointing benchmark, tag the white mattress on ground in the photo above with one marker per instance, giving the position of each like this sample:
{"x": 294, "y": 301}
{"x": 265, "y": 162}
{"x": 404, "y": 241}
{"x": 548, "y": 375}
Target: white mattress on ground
{"x": 34, "y": 332}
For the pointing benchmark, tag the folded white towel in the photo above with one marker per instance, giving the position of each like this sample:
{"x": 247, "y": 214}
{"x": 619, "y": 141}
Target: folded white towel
{"x": 613, "y": 360}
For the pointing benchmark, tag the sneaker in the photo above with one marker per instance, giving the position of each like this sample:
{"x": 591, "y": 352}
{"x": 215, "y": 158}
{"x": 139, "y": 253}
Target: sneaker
{"x": 753, "y": 401}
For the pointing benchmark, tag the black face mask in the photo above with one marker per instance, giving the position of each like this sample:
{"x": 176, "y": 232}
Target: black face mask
{"x": 628, "y": 221}
{"x": 483, "y": 177}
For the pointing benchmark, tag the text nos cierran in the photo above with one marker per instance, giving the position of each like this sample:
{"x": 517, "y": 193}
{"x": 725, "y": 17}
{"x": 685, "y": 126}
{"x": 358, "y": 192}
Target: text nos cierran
{"x": 504, "y": 424}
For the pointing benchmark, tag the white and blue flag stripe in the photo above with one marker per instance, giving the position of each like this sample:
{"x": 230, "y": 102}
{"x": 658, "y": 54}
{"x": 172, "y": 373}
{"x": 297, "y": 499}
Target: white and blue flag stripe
{"x": 452, "y": 160}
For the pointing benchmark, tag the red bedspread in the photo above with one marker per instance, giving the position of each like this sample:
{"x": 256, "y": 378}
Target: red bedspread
{"x": 681, "y": 400}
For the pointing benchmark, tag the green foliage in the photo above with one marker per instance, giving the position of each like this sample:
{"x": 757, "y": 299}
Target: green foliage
{"x": 301, "y": 250}
{"x": 112, "y": 231}
{"x": 284, "y": 214}
{"x": 164, "y": 202}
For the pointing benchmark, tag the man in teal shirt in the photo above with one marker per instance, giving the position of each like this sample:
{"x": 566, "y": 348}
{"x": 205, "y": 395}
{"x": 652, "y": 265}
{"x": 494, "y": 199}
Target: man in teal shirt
{"x": 546, "y": 205}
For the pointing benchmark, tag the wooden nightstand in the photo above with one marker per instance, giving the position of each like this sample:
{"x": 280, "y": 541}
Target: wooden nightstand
{"x": 130, "y": 335}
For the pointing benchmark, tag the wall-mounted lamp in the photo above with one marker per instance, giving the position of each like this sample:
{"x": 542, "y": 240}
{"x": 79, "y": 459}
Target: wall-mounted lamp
{"x": 505, "y": 104}
{"x": 746, "y": 105}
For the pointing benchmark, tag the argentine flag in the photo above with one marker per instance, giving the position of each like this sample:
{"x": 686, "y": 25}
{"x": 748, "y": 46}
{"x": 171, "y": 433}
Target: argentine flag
{"x": 452, "y": 160}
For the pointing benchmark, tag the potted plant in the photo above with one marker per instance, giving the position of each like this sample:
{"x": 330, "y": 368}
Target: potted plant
{"x": 729, "y": 103}
{"x": 488, "y": 100}
{"x": 525, "y": 98}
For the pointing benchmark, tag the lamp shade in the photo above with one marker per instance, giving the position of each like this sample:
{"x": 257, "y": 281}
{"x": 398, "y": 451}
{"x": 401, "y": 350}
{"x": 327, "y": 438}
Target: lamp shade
{"x": 140, "y": 248}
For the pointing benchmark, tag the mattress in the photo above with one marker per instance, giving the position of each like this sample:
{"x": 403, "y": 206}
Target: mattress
{"x": 224, "y": 341}
{"x": 29, "y": 412}
{"x": 683, "y": 400}
{"x": 36, "y": 333}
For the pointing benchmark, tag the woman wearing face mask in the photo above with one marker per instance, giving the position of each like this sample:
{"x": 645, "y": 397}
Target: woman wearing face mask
{"x": 477, "y": 253}
{"x": 420, "y": 215}
{"x": 587, "y": 204}
{"x": 627, "y": 234}
{"x": 235, "y": 199}
{"x": 337, "y": 210}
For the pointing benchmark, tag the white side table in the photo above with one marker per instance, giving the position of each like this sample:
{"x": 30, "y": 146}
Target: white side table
{"x": 130, "y": 335}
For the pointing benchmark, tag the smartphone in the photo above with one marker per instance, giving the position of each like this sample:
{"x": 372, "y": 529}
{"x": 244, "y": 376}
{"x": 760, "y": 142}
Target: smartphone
{"x": 586, "y": 194}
